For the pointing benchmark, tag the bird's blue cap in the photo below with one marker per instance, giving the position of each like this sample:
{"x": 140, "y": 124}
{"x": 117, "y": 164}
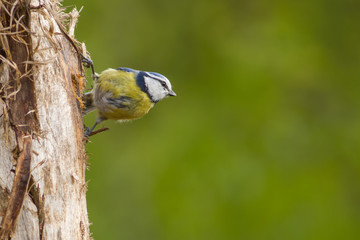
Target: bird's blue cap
{"x": 126, "y": 69}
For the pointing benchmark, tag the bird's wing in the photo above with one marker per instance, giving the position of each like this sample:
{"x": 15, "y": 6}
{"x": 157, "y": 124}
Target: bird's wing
{"x": 120, "y": 102}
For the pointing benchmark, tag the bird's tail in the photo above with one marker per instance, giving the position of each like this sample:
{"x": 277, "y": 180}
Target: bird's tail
{"x": 88, "y": 100}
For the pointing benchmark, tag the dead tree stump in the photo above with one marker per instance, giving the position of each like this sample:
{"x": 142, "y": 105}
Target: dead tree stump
{"x": 42, "y": 155}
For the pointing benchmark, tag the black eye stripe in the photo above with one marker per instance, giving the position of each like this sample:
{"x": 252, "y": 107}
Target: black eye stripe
{"x": 164, "y": 85}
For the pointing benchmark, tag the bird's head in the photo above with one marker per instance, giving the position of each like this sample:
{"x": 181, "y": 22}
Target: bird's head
{"x": 155, "y": 85}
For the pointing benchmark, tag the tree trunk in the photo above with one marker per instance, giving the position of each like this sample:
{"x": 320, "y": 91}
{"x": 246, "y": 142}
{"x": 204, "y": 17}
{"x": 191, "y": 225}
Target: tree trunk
{"x": 42, "y": 156}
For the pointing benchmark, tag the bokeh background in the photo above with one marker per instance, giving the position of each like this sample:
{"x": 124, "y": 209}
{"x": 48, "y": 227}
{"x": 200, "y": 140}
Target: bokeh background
{"x": 262, "y": 141}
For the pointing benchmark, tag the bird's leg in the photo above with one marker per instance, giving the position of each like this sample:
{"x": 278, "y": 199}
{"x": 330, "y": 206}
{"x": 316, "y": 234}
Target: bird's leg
{"x": 89, "y": 63}
{"x": 88, "y": 130}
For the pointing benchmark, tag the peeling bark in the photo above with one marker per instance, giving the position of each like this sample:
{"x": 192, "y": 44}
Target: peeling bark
{"x": 18, "y": 192}
{"x": 41, "y": 129}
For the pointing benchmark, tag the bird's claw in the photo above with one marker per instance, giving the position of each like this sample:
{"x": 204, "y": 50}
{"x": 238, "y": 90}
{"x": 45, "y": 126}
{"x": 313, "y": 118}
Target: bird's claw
{"x": 87, "y": 132}
{"x": 89, "y": 64}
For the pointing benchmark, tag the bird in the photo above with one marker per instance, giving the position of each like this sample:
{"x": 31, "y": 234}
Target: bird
{"x": 124, "y": 93}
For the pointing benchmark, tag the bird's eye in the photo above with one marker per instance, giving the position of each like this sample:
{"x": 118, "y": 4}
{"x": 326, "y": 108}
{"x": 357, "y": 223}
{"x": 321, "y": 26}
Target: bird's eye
{"x": 163, "y": 84}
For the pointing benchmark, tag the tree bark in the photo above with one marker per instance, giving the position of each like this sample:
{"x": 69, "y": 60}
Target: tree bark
{"x": 42, "y": 155}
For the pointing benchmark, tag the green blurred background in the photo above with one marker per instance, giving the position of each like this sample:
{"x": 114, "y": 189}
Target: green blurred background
{"x": 262, "y": 141}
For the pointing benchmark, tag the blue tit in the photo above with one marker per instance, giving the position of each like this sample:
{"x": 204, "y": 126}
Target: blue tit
{"x": 125, "y": 94}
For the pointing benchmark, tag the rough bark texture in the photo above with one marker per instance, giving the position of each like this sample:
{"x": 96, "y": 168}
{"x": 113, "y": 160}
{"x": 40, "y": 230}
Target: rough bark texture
{"x": 42, "y": 156}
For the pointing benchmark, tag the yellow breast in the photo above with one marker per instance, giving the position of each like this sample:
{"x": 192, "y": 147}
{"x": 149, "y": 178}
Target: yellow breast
{"x": 117, "y": 96}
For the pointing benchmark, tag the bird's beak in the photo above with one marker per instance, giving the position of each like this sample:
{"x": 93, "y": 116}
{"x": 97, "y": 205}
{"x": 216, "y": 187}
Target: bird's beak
{"x": 172, "y": 93}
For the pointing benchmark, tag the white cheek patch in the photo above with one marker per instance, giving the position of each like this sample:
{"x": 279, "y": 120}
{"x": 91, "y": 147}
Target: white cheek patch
{"x": 156, "y": 91}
